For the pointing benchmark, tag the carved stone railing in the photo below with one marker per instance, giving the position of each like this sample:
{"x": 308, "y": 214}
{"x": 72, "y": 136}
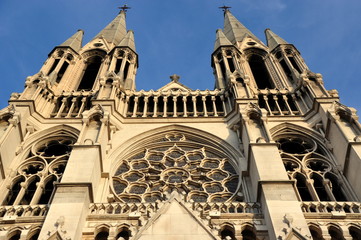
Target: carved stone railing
{"x": 122, "y": 208}
{"x": 13, "y": 212}
{"x": 283, "y": 102}
{"x": 203, "y": 208}
{"x": 228, "y": 207}
{"x": 177, "y": 103}
{"x": 329, "y": 207}
{"x": 72, "y": 105}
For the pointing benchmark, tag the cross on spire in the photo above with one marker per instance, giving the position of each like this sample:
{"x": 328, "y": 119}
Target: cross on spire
{"x": 124, "y": 8}
{"x": 225, "y": 8}
{"x": 174, "y": 78}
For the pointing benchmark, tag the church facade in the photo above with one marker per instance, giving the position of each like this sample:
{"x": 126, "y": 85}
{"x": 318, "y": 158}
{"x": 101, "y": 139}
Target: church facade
{"x": 268, "y": 154}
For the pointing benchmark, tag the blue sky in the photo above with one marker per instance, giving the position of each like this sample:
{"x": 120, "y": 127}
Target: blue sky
{"x": 177, "y": 36}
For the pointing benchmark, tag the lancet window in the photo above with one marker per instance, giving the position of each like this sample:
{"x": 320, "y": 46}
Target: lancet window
{"x": 288, "y": 62}
{"x": 94, "y": 60}
{"x": 175, "y": 164}
{"x": 123, "y": 62}
{"x": 316, "y": 176}
{"x": 60, "y": 65}
{"x": 260, "y": 72}
{"x": 34, "y": 180}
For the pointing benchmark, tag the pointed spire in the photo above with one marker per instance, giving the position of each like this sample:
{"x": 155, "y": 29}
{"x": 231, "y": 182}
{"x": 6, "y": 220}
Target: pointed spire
{"x": 221, "y": 40}
{"x": 75, "y": 41}
{"x": 128, "y": 41}
{"x": 273, "y": 40}
{"x": 234, "y": 30}
{"x": 116, "y": 29}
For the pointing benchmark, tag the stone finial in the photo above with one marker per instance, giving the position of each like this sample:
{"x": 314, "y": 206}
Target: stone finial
{"x": 174, "y": 78}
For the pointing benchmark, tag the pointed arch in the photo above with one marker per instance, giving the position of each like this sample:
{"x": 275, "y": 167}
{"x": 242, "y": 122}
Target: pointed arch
{"x": 48, "y": 189}
{"x": 14, "y": 234}
{"x": 256, "y": 58}
{"x": 14, "y": 190}
{"x": 178, "y": 154}
{"x": 33, "y": 233}
{"x": 286, "y": 129}
{"x": 248, "y": 231}
{"x": 123, "y": 232}
{"x": 218, "y": 145}
{"x": 30, "y": 189}
{"x": 355, "y": 231}
{"x": 301, "y": 185}
{"x": 101, "y": 232}
{"x": 316, "y": 231}
{"x": 307, "y": 147}
{"x": 227, "y": 231}
{"x": 41, "y": 163}
{"x": 335, "y": 232}
{"x": 93, "y": 62}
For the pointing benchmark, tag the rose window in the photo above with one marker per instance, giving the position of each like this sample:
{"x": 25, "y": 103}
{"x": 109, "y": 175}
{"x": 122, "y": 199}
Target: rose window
{"x": 194, "y": 171}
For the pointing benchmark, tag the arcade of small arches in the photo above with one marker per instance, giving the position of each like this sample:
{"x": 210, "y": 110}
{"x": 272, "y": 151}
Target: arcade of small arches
{"x": 17, "y": 233}
{"x": 335, "y": 232}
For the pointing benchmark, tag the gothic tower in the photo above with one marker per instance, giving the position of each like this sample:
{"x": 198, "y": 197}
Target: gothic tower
{"x": 269, "y": 153}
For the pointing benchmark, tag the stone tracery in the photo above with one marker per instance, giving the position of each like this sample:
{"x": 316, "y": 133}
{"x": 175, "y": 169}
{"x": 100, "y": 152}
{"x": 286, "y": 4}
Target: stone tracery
{"x": 316, "y": 177}
{"x": 175, "y": 163}
{"x": 34, "y": 179}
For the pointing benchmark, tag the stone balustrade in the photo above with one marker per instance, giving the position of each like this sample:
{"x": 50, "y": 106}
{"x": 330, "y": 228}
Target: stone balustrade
{"x": 328, "y": 207}
{"x": 72, "y": 105}
{"x": 227, "y": 207}
{"x": 177, "y": 103}
{"x": 13, "y": 212}
{"x": 203, "y": 208}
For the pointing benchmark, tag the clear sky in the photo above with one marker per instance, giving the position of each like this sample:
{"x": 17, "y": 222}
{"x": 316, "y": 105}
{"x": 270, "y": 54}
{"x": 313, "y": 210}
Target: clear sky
{"x": 177, "y": 36}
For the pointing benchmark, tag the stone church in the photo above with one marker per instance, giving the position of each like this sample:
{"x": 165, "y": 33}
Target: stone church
{"x": 268, "y": 154}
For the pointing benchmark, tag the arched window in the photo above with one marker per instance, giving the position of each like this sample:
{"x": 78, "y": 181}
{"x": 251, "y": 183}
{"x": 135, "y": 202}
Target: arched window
{"x": 90, "y": 73}
{"x": 320, "y": 188}
{"x": 260, "y": 72}
{"x": 30, "y": 191}
{"x": 103, "y": 235}
{"x": 34, "y": 235}
{"x": 48, "y": 189}
{"x": 335, "y": 187}
{"x": 302, "y": 187}
{"x": 13, "y": 192}
{"x": 316, "y": 233}
{"x": 15, "y": 235}
{"x": 335, "y": 233}
{"x": 62, "y": 71}
{"x": 303, "y": 155}
{"x": 44, "y": 166}
{"x": 228, "y": 233}
{"x": 248, "y": 234}
{"x": 123, "y": 234}
{"x": 355, "y": 233}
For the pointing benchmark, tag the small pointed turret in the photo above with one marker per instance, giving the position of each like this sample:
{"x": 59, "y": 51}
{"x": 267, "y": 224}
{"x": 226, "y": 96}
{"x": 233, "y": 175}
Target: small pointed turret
{"x": 75, "y": 41}
{"x": 221, "y": 40}
{"x": 128, "y": 41}
{"x": 273, "y": 40}
{"x": 115, "y": 31}
{"x": 234, "y": 30}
